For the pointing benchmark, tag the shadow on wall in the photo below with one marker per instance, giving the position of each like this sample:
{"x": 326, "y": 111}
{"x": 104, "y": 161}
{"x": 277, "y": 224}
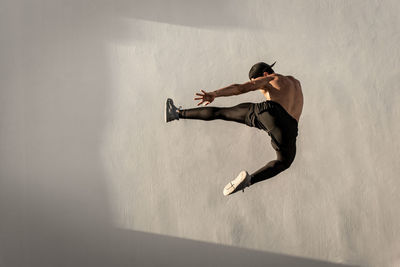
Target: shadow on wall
{"x": 53, "y": 196}
{"x": 199, "y": 14}
{"x": 132, "y": 248}
{"x": 159, "y": 250}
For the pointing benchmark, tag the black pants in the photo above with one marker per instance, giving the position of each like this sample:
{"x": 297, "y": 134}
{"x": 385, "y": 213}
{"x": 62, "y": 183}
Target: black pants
{"x": 268, "y": 116}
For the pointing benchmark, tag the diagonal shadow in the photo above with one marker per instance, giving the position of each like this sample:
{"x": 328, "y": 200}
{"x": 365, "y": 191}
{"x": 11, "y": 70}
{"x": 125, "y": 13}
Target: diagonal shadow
{"x": 118, "y": 247}
{"x": 160, "y": 250}
{"x": 199, "y": 14}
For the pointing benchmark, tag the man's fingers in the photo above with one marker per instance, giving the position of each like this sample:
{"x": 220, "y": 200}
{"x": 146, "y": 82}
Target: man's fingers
{"x": 202, "y": 97}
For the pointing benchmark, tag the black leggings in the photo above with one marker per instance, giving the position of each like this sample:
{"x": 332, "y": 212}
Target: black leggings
{"x": 254, "y": 115}
{"x": 237, "y": 113}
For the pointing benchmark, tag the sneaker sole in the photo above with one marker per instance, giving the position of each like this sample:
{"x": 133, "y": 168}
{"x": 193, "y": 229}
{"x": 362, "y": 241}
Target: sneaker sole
{"x": 231, "y": 186}
{"x": 167, "y": 115}
{"x": 166, "y": 110}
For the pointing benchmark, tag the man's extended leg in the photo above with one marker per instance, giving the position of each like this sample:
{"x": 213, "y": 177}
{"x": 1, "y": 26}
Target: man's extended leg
{"x": 236, "y": 113}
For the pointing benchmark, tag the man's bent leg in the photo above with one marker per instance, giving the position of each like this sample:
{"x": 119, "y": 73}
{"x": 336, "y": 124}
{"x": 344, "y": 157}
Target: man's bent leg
{"x": 268, "y": 171}
{"x": 275, "y": 167}
{"x": 236, "y": 113}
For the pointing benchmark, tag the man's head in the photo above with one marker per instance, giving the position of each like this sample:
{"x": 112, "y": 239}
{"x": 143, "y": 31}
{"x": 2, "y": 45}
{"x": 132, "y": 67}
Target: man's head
{"x": 259, "y": 68}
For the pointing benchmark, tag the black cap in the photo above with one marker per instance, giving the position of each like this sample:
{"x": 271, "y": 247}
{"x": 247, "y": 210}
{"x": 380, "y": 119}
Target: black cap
{"x": 259, "y": 68}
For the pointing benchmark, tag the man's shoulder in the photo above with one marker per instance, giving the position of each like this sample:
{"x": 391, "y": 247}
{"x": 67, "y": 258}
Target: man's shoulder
{"x": 278, "y": 75}
{"x": 285, "y": 76}
{"x": 281, "y": 77}
{"x": 291, "y": 78}
{"x": 286, "y": 80}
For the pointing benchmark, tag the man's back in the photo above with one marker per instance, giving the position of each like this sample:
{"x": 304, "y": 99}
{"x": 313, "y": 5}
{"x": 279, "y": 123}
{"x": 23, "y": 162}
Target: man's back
{"x": 285, "y": 90}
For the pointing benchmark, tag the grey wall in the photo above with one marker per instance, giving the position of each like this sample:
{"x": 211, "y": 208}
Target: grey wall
{"x": 84, "y": 150}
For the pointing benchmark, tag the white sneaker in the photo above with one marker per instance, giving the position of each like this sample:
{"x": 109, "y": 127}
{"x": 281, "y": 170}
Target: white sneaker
{"x": 242, "y": 181}
{"x": 171, "y": 112}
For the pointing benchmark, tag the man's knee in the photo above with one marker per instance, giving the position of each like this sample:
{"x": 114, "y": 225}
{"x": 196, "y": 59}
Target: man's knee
{"x": 286, "y": 162}
{"x": 279, "y": 165}
{"x": 286, "y": 156}
{"x": 219, "y": 113}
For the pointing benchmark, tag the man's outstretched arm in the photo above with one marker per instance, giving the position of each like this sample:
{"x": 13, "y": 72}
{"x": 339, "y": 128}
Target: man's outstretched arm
{"x": 238, "y": 89}
{"x": 234, "y": 89}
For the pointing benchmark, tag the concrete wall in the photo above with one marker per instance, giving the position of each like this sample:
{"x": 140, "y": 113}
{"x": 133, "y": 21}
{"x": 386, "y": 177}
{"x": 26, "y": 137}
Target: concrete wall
{"x": 84, "y": 149}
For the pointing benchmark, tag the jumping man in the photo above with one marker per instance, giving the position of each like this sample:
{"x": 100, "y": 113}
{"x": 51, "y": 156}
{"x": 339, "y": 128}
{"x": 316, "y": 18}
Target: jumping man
{"x": 278, "y": 116}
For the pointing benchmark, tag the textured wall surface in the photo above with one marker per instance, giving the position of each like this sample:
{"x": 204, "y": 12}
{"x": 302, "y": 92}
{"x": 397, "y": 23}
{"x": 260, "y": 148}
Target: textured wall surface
{"x": 85, "y": 151}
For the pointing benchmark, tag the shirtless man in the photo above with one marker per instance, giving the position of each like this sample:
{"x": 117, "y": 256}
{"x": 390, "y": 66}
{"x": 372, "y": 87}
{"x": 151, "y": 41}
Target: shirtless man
{"x": 278, "y": 116}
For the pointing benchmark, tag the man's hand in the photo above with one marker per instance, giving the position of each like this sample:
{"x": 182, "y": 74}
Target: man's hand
{"x": 205, "y": 97}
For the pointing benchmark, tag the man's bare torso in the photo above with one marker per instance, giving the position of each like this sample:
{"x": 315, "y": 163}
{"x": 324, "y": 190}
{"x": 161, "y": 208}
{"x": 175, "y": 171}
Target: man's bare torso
{"x": 286, "y": 91}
